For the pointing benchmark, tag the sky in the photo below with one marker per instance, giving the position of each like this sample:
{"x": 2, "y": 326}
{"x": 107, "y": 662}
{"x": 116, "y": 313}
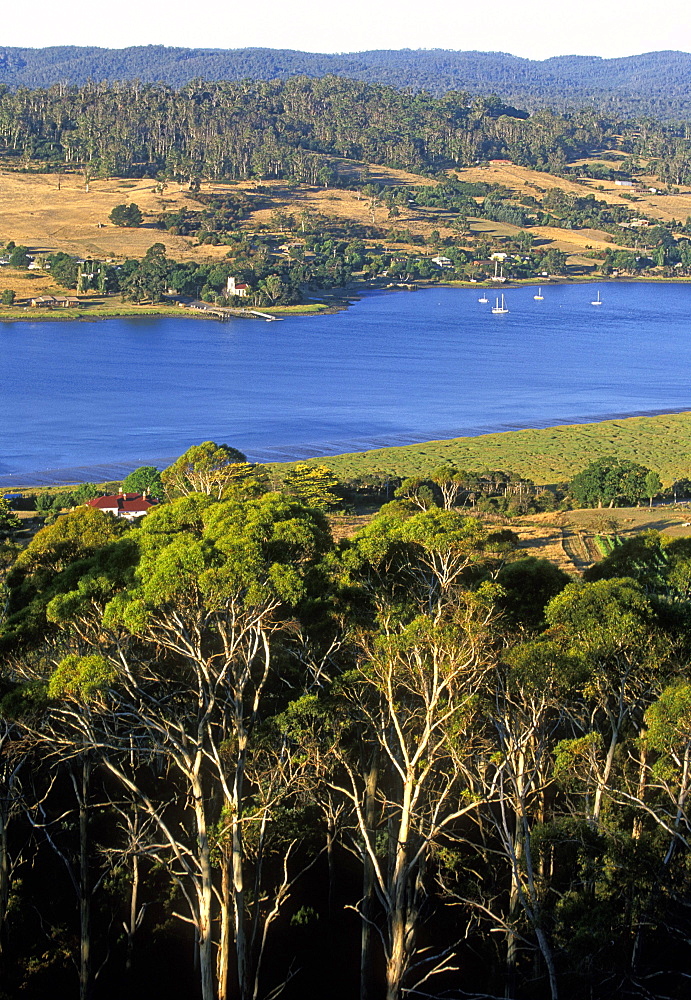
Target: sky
{"x": 534, "y": 29}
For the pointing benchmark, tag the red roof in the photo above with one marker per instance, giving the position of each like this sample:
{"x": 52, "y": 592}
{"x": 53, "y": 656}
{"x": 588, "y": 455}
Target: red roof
{"x": 129, "y": 503}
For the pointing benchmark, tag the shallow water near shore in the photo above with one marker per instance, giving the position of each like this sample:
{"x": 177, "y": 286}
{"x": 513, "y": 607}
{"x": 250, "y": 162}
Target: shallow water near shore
{"x": 91, "y": 401}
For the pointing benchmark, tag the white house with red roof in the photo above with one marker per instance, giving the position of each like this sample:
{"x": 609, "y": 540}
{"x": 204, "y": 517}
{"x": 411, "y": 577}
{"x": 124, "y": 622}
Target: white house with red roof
{"x": 128, "y": 505}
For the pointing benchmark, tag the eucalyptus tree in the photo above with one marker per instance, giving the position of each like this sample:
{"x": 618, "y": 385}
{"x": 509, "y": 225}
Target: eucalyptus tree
{"x": 531, "y": 684}
{"x": 148, "y": 280}
{"x": 9, "y": 522}
{"x": 612, "y": 626}
{"x": 421, "y": 561}
{"x": 412, "y": 726}
{"x": 450, "y": 482}
{"x": 312, "y": 485}
{"x": 611, "y": 480}
{"x": 68, "y": 835}
{"x": 191, "y": 661}
{"x": 15, "y": 754}
{"x": 59, "y": 802}
{"x": 528, "y": 585}
{"x": 656, "y": 788}
{"x": 417, "y": 492}
{"x": 668, "y": 736}
{"x": 84, "y": 550}
{"x": 146, "y": 479}
{"x": 414, "y": 695}
{"x": 208, "y": 468}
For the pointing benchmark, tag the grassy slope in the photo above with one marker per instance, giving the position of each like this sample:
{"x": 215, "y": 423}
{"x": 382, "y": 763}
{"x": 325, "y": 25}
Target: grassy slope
{"x": 34, "y": 212}
{"x": 551, "y": 455}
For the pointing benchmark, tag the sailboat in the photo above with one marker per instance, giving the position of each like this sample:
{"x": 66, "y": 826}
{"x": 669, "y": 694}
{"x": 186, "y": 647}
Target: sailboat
{"x": 483, "y": 298}
{"x": 539, "y": 297}
{"x": 597, "y": 301}
{"x": 500, "y": 308}
{"x": 500, "y": 276}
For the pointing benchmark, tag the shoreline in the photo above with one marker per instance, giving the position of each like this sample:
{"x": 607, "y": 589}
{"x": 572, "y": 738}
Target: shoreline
{"x": 92, "y": 313}
{"x": 95, "y": 309}
{"x": 115, "y": 470}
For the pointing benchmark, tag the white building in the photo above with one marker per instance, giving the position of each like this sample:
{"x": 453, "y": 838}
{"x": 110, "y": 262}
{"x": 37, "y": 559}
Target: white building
{"x": 234, "y": 288}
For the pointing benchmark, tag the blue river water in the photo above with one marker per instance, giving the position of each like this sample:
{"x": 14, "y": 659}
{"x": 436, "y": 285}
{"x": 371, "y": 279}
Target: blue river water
{"x": 83, "y": 401}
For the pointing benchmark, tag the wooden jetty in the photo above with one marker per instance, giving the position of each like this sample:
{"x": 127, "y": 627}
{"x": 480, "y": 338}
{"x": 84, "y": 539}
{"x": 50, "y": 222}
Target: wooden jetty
{"x": 225, "y": 312}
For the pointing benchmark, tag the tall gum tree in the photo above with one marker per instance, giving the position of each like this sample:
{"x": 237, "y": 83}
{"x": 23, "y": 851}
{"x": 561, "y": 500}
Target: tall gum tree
{"x": 524, "y": 705}
{"x": 191, "y": 663}
{"x": 418, "y": 562}
{"x": 415, "y": 694}
{"x": 611, "y": 625}
{"x": 207, "y": 468}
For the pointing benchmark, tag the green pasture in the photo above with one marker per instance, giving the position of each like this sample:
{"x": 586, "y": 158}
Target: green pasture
{"x": 549, "y": 455}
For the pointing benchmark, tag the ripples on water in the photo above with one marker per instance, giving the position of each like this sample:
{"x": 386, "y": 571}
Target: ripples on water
{"x": 94, "y": 400}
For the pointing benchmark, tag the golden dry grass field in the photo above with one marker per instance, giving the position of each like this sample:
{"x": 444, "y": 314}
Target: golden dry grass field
{"x": 36, "y": 213}
{"x": 51, "y": 212}
{"x": 55, "y": 212}
{"x": 524, "y": 180}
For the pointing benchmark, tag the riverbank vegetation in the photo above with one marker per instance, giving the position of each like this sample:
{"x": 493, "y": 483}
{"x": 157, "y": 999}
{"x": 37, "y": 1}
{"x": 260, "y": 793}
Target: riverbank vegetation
{"x": 242, "y": 755}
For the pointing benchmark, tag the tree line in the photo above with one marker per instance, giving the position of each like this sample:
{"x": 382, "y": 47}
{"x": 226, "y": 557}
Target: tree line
{"x": 236, "y": 756}
{"x": 302, "y": 129}
{"x": 653, "y": 84}
{"x": 298, "y": 128}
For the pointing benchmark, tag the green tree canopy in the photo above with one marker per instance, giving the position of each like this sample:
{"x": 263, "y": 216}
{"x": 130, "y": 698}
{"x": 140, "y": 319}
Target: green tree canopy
{"x": 418, "y": 562}
{"x": 205, "y": 468}
{"x": 312, "y": 485}
{"x": 126, "y": 215}
{"x": 76, "y": 534}
{"x": 609, "y": 481}
{"x": 528, "y": 585}
{"x": 19, "y": 257}
{"x": 64, "y": 269}
{"x": 660, "y": 563}
{"x": 9, "y": 521}
{"x": 603, "y": 615}
{"x": 450, "y": 481}
{"x": 146, "y": 479}
{"x": 149, "y": 279}
{"x": 86, "y": 554}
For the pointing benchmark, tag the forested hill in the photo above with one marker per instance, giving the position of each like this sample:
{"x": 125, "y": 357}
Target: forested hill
{"x": 304, "y": 128}
{"x": 656, "y": 83}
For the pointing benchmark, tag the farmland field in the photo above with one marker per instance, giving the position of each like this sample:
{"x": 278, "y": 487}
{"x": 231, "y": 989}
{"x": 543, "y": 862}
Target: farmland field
{"x": 547, "y": 455}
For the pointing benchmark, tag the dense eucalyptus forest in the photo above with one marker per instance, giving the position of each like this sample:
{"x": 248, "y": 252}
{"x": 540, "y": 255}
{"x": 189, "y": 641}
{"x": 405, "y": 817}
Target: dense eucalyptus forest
{"x": 303, "y": 128}
{"x": 238, "y": 759}
{"x": 292, "y": 129}
{"x": 653, "y": 84}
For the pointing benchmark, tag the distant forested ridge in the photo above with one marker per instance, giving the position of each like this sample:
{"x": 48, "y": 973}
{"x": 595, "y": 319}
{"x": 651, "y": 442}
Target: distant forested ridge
{"x": 656, "y": 83}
